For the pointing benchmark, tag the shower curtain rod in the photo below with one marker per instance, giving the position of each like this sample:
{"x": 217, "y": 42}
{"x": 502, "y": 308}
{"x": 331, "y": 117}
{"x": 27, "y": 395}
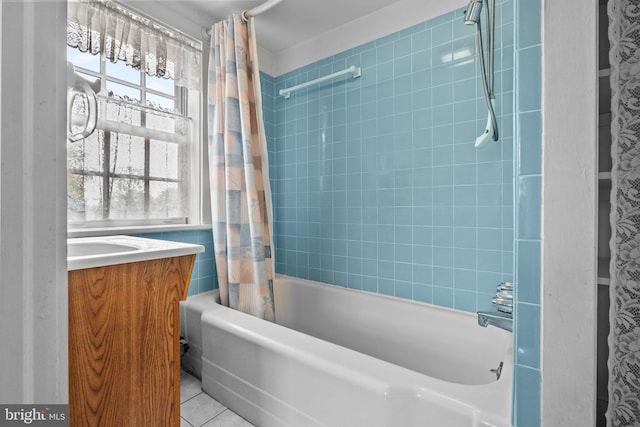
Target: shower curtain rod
{"x": 246, "y": 14}
{"x": 259, "y": 9}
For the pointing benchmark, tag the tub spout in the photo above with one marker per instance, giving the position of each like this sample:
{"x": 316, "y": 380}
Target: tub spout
{"x": 497, "y": 319}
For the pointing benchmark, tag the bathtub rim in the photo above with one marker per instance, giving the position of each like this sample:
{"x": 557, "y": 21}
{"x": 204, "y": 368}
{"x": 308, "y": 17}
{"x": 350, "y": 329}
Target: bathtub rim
{"x": 372, "y": 294}
{"x": 480, "y": 400}
{"x": 419, "y": 319}
{"x": 482, "y": 397}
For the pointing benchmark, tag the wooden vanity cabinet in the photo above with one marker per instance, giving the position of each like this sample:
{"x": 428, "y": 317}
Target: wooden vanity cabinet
{"x": 124, "y": 343}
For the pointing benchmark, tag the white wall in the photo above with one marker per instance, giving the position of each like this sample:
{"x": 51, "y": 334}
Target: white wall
{"x": 569, "y": 236}
{"x": 33, "y": 330}
{"x": 395, "y": 17}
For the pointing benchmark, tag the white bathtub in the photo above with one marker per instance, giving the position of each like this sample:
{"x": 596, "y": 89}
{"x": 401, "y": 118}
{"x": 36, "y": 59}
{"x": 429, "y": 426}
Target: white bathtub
{"x": 340, "y": 357}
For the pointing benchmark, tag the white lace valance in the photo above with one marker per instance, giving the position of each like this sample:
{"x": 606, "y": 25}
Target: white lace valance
{"x": 108, "y": 28}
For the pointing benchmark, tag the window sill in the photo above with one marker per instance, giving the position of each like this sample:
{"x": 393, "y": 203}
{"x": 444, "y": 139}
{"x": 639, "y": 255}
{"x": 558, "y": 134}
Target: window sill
{"x": 144, "y": 229}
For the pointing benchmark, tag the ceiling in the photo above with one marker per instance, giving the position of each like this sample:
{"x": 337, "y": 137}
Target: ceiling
{"x": 281, "y": 27}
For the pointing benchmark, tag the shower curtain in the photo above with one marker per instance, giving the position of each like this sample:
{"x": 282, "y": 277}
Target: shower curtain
{"x": 238, "y": 169}
{"x": 624, "y": 337}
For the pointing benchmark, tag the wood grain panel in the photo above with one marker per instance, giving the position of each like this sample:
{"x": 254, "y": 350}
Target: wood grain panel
{"x": 124, "y": 350}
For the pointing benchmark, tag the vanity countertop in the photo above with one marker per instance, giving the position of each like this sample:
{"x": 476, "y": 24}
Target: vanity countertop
{"x": 89, "y": 252}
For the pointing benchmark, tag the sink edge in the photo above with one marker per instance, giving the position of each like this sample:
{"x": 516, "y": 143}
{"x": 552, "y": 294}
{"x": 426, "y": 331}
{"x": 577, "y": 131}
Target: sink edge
{"x": 146, "y": 250}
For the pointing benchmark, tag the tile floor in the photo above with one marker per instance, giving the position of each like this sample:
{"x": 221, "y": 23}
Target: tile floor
{"x": 198, "y": 409}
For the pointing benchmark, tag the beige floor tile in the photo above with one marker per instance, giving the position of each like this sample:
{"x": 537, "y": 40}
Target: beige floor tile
{"x": 200, "y": 409}
{"x": 228, "y": 419}
{"x": 189, "y": 386}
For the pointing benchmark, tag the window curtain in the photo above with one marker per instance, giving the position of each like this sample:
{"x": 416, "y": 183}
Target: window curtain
{"x": 238, "y": 170}
{"x": 107, "y": 28}
{"x": 624, "y": 336}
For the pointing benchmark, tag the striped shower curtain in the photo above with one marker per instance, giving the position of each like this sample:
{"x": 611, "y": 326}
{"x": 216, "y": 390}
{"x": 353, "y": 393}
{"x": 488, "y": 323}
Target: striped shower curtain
{"x": 238, "y": 169}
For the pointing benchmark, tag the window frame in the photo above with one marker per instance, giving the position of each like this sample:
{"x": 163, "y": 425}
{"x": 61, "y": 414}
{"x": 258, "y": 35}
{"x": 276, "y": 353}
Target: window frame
{"x": 186, "y": 103}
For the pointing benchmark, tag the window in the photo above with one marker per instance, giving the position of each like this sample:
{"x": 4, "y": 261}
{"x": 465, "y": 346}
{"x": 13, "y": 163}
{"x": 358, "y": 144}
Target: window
{"x": 140, "y": 165}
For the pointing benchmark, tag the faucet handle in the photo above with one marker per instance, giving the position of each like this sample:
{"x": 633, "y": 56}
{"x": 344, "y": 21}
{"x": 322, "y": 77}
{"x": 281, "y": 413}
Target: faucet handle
{"x": 503, "y": 300}
{"x": 505, "y": 287}
{"x": 504, "y": 305}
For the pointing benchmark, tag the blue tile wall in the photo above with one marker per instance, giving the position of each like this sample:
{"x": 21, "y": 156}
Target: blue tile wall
{"x": 376, "y": 182}
{"x": 204, "y": 276}
{"x": 527, "y": 243}
{"x": 268, "y": 93}
{"x": 527, "y": 397}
